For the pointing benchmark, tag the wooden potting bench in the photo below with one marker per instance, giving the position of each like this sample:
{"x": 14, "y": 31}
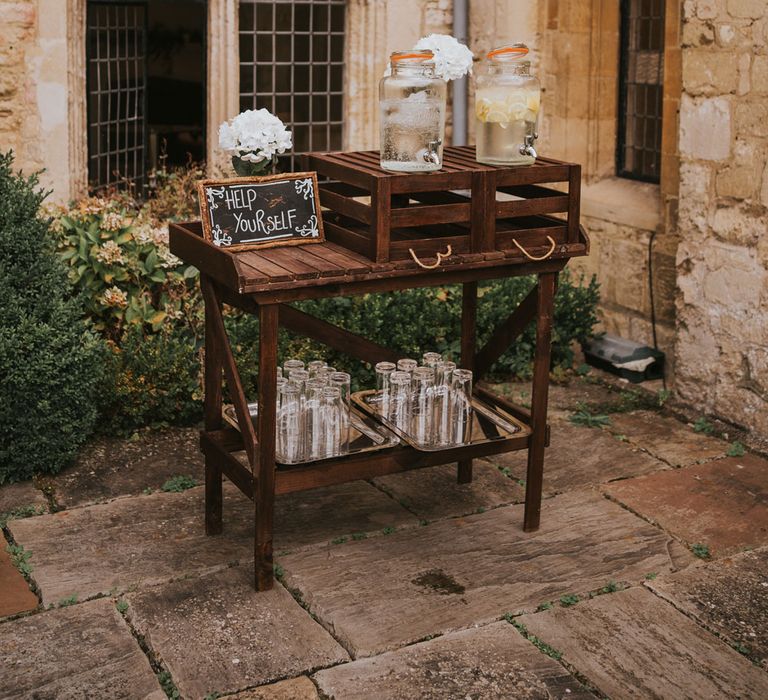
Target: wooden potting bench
{"x": 368, "y": 251}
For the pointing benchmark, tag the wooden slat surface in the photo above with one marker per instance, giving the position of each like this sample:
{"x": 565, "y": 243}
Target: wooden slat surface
{"x": 331, "y": 264}
{"x": 424, "y": 211}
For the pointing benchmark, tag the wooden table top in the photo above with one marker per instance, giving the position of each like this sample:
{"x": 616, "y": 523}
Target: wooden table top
{"x": 322, "y": 269}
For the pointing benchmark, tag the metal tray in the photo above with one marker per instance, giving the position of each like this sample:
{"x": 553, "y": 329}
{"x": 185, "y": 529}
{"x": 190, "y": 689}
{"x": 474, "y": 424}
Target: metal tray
{"x": 488, "y": 424}
{"x": 365, "y": 434}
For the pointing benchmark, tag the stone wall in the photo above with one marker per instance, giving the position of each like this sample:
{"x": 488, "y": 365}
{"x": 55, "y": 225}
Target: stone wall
{"x": 722, "y": 262}
{"x": 38, "y": 110}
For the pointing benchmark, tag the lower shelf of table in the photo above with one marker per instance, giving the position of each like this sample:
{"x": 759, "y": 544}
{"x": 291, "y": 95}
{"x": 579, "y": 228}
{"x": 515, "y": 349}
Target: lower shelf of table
{"x": 220, "y": 446}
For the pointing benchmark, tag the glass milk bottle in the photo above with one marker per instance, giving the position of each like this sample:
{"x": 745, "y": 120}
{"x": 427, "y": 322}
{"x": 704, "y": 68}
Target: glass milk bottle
{"x": 412, "y": 114}
{"x": 507, "y": 102}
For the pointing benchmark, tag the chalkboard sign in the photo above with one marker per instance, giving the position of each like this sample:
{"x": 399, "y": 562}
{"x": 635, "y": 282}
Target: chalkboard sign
{"x": 261, "y": 212}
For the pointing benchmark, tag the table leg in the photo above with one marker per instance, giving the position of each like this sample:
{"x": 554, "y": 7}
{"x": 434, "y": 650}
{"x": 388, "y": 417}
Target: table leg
{"x": 264, "y": 498}
{"x": 535, "y": 475}
{"x": 468, "y": 340}
{"x": 212, "y": 413}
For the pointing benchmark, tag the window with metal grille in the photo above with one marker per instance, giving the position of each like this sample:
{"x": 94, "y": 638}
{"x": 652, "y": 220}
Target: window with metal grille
{"x": 292, "y": 63}
{"x": 117, "y": 93}
{"x": 638, "y": 151}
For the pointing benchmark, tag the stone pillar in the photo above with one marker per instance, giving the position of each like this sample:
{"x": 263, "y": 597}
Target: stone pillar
{"x": 365, "y": 60}
{"x": 77, "y": 99}
{"x": 223, "y": 77}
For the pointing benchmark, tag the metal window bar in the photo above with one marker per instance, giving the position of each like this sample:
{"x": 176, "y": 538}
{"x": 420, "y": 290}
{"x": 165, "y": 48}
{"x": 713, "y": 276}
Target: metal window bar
{"x": 116, "y": 40}
{"x": 292, "y": 63}
{"x": 641, "y": 70}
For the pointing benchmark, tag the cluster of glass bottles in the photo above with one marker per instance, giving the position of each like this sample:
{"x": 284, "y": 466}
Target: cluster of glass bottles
{"x": 313, "y": 404}
{"x": 431, "y": 402}
{"x": 412, "y": 111}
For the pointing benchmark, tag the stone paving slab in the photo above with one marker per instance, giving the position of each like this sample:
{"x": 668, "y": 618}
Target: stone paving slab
{"x": 666, "y": 438}
{"x": 562, "y": 397}
{"x": 300, "y": 688}
{"x": 634, "y": 645}
{"x": 15, "y": 596}
{"x": 721, "y": 504}
{"x": 20, "y": 495}
{"x": 149, "y": 539}
{"x": 83, "y": 651}
{"x": 729, "y": 596}
{"x": 579, "y": 456}
{"x": 387, "y": 591}
{"x": 109, "y": 468}
{"x": 433, "y": 493}
{"x": 217, "y": 634}
{"x": 490, "y": 662}
{"x": 319, "y": 515}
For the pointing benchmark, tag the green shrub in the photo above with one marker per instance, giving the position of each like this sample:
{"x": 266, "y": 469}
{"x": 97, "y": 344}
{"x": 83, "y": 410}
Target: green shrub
{"x": 140, "y": 298}
{"x": 416, "y": 320}
{"x": 154, "y": 381}
{"x": 119, "y": 259}
{"x": 52, "y": 366}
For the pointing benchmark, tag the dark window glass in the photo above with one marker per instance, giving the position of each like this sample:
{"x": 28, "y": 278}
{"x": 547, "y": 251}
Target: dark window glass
{"x": 146, "y": 88}
{"x": 638, "y": 147}
{"x": 291, "y": 35}
{"x": 117, "y": 91}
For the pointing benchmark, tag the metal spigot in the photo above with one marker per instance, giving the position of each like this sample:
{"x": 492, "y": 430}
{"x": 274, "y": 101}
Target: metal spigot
{"x": 527, "y": 148}
{"x": 430, "y": 154}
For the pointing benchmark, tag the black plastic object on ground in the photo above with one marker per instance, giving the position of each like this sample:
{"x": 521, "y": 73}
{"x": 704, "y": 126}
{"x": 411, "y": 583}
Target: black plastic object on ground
{"x": 628, "y": 359}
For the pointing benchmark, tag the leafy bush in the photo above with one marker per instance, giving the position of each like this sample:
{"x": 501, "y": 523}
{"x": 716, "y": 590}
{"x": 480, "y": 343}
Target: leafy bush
{"x": 416, "y": 320}
{"x": 154, "y": 381}
{"x": 52, "y": 366}
{"x": 142, "y": 299}
{"x": 119, "y": 259}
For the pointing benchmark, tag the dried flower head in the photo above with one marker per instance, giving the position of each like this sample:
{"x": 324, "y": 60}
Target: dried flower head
{"x": 114, "y": 297}
{"x": 110, "y": 254}
{"x": 113, "y": 221}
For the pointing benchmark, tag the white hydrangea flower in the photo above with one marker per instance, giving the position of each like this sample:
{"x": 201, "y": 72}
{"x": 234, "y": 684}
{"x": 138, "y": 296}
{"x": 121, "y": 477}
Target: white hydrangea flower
{"x": 254, "y": 135}
{"x": 453, "y": 60}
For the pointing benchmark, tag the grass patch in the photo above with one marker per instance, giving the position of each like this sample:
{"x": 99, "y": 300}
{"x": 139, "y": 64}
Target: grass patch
{"x": 610, "y": 587}
{"x": 278, "y": 571}
{"x": 630, "y": 400}
{"x": 533, "y": 639}
{"x": 177, "y": 484}
{"x": 651, "y": 576}
{"x": 357, "y": 536}
{"x": 702, "y": 425}
{"x": 339, "y": 540}
{"x": 545, "y": 606}
{"x": 701, "y": 551}
{"x": 20, "y": 559}
{"x": 736, "y": 449}
{"x": 388, "y": 530}
{"x": 584, "y": 416}
{"x": 19, "y": 513}
{"x": 168, "y": 686}
{"x": 66, "y": 602}
{"x": 569, "y": 599}
{"x": 122, "y": 606}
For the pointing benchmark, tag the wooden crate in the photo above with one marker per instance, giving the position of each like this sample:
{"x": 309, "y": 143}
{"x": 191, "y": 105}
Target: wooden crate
{"x": 480, "y": 211}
